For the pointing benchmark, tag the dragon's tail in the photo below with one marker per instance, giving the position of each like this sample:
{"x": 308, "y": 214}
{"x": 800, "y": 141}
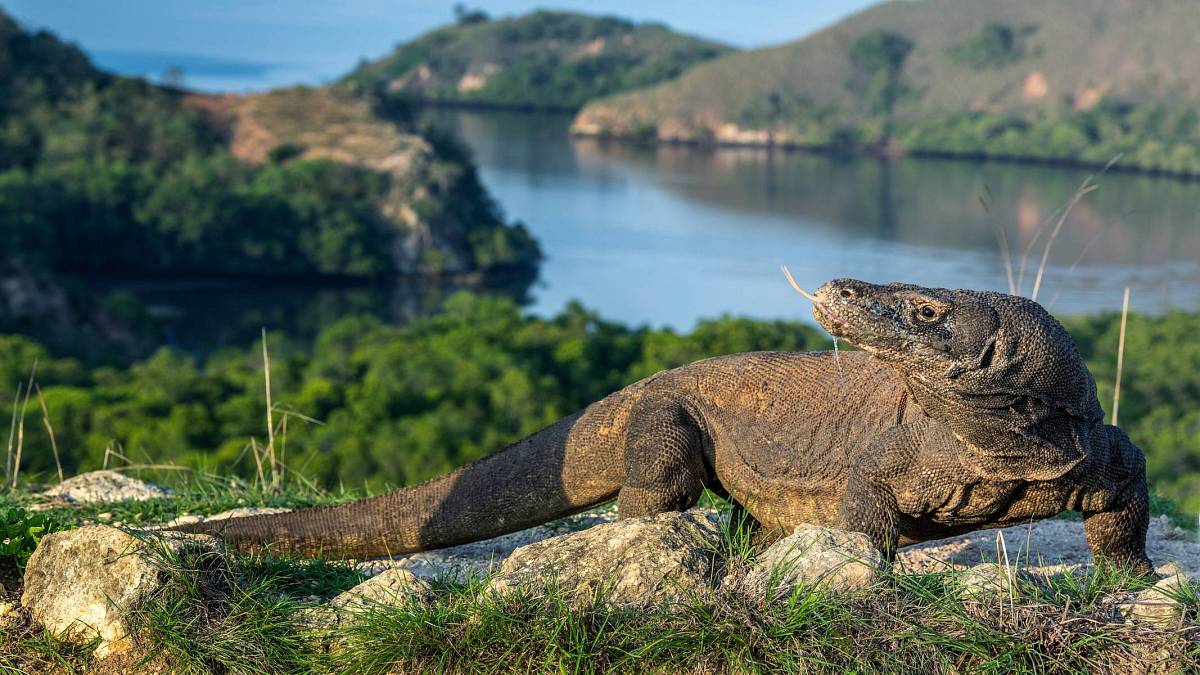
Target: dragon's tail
{"x": 542, "y": 477}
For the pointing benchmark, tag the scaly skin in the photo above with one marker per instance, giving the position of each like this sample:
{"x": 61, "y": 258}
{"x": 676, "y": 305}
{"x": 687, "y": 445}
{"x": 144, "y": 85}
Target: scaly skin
{"x": 966, "y": 410}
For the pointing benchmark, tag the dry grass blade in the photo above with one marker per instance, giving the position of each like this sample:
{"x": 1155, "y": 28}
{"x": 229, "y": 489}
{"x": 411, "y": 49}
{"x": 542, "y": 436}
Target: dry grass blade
{"x": 16, "y": 473}
{"x": 796, "y": 286}
{"x": 1084, "y": 190}
{"x": 1037, "y": 236}
{"x": 258, "y": 467}
{"x": 12, "y": 435}
{"x": 50, "y": 431}
{"x": 1120, "y": 357}
{"x": 1086, "y": 187}
{"x": 270, "y": 413}
{"x": 110, "y": 452}
{"x": 283, "y": 441}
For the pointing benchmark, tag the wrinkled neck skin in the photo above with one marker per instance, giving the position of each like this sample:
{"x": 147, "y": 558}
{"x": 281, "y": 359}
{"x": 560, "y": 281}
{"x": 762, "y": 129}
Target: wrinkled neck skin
{"x": 997, "y": 369}
{"x": 1009, "y": 436}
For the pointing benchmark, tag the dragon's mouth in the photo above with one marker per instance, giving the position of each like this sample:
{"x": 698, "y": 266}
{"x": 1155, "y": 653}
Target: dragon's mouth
{"x": 828, "y": 318}
{"x": 858, "y": 333}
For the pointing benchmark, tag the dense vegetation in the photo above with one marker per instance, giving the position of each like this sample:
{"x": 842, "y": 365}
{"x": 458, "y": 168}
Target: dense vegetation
{"x": 1016, "y": 80}
{"x": 539, "y": 60}
{"x": 398, "y": 405}
{"x": 105, "y": 174}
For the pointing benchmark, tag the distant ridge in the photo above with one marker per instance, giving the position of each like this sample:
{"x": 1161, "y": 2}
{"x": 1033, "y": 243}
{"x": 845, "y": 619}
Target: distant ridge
{"x": 547, "y": 60}
{"x": 1072, "y": 80}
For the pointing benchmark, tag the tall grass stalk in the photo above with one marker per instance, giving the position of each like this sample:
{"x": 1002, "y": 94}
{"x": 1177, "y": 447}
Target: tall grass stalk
{"x": 50, "y": 431}
{"x": 270, "y": 413}
{"x": 258, "y": 467}
{"x": 1086, "y": 187}
{"x": 1120, "y": 357}
{"x": 12, "y": 435}
{"x": 16, "y": 473}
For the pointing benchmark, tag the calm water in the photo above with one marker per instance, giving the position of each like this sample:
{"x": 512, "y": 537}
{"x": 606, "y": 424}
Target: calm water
{"x": 671, "y": 235}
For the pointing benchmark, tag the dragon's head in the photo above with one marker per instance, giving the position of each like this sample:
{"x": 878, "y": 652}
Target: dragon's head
{"x": 998, "y": 369}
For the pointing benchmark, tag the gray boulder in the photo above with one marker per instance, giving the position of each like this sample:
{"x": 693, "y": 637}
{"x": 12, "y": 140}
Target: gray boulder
{"x": 104, "y": 486}
{"x": 390, "y": 587}
{"x": 647, "y": 561}
{"x": 81, "y": 583}
{"x": 987, "y": 581}
{"x": 1161, "y": 604}
{"x": 815, "y": 556}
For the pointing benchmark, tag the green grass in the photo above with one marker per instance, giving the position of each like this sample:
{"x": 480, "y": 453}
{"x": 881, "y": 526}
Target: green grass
{"x": 213, "y": 616}
{"x": 195, "y": 493}
{"x": 23, "y": 649}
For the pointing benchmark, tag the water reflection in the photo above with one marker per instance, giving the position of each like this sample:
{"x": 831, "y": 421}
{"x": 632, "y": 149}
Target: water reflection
{"x": 669, "y": 235}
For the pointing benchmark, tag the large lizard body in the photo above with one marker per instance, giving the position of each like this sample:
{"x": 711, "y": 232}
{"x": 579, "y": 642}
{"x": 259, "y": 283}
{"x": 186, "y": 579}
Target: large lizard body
{"x": 982, "y": 415}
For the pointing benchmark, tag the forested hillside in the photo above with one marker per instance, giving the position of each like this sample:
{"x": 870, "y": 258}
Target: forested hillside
{"x": 103, "y": 174}
{"x": 554, "y": 60}
{"x": 1071, "y": 81}
{"x": 400, "y": 405}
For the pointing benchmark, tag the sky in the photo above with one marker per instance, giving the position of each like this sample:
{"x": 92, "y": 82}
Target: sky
{"x": 240, "y": 45}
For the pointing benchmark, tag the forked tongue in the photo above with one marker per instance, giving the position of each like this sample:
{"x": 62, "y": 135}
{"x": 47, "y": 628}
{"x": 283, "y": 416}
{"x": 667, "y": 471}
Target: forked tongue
{"x": 837, "y": 356}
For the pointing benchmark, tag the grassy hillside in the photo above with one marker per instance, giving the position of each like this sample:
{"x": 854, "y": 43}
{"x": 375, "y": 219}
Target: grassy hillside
{"x": 539, "y": 60}
{"x": 260, "y": 613}
{"x": 299, "y": 182}
{"x": 1074, "y": 80}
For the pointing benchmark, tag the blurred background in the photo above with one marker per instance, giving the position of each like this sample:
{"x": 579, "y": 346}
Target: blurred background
{"x": 456, "y": 223}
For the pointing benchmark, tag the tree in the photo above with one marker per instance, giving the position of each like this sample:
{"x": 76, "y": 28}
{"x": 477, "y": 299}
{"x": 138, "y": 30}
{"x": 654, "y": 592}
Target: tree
{"x": 467, "y": 16}
{"x": 879, "y": 58}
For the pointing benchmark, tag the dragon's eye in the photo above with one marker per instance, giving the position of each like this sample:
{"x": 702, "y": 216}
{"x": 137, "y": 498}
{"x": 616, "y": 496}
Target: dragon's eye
{"x": 927, "y": 312}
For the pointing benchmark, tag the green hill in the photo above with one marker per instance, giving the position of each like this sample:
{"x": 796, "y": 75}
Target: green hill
{"x": 1073, "y": 80}
{"x": 312, "y": 182}
{"x": 544, "y": 59}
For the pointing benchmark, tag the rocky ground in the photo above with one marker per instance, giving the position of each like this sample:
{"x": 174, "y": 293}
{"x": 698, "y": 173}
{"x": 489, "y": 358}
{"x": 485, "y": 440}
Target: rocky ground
{"x": 1043, "y": 547}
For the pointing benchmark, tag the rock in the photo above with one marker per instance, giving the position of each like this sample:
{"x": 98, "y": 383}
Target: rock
{"x": 240, "y": 512}
{"x": 104, "y": 486}
{"x": 1160, "y": 604}
{"x": 385, "y": 588}
{"x": 390, "y": 587}
{"x": 10, "y": 614}
{"x": 645, "y": 561}
{"x": 1163, "y": 526}
{"x": 989, "y": 580}
{"x": 813, "y": 555}
{"x": 479, "y": 559}
{"x": 81, "y": 583}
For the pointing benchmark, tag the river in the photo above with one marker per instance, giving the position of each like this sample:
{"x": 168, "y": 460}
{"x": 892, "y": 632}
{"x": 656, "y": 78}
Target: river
{"x": 672, "y": 235}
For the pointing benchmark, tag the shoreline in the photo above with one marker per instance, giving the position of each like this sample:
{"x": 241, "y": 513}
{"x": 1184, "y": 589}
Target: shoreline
{"x": 887, "y": 153}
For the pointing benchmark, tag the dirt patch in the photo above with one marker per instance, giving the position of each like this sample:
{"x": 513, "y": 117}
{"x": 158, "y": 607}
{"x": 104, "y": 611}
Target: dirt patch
{"x": 1047, "y": 546}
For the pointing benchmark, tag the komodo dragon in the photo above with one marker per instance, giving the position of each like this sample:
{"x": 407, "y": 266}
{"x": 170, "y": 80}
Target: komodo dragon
{"x": 965, "y": 410}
